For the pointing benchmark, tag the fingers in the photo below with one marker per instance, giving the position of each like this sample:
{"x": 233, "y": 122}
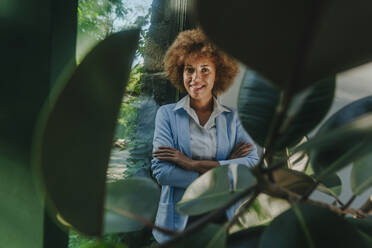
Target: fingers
{"x": 166, "y": 147}
{"x": 241, "y": 150}
{"x": 165, "y": 153}
{"x": 244, "y": 147}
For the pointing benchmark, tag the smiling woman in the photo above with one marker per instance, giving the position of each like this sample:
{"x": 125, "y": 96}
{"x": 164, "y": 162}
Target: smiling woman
{"x": 197, "y": 133}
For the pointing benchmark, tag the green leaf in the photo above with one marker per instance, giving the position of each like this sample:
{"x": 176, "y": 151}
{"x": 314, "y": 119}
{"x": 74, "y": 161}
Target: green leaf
{"x": 138, "y": 196}
{"x": 37, "y": 42}
{"x": 211, "y": 236}
{"x": 263, "y": 210}
{"x": 361, "y": 175}
{"x": 331, "y": 185}
{"x": 310, "y": 226}
{"x": 247, "y": 238}
{"x": 342, "y": 139}
{"x": 364, "y": 227}
{"x": 74, "y": 135}
{"x": 290, "y": 42}
{"x": 257, "y": 107}
{"x": 214, "y": 189}
{"x": 292, "y": 180}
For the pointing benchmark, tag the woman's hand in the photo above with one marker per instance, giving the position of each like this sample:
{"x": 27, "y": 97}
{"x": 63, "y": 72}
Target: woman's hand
{"x": 241, "y": 149}
{"x": 172, "y": 155}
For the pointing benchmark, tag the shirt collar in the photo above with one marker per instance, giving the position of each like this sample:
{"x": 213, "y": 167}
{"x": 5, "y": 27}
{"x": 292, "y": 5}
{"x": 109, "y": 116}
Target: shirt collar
{"x": 185, "y": 104}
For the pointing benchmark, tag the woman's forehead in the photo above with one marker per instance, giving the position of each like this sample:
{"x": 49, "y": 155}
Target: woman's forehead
{"x": 193, "y": 59}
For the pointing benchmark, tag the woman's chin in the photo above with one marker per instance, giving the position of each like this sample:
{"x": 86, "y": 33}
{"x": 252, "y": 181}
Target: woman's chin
{"x": 198, "y": 96}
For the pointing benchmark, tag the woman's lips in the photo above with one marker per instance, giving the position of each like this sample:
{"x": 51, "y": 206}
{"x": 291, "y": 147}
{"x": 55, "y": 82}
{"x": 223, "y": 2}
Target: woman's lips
{"x": 196, "y": 88}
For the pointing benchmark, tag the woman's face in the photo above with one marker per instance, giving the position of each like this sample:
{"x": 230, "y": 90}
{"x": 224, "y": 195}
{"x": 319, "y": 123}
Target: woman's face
{"x": 199, "y": 74}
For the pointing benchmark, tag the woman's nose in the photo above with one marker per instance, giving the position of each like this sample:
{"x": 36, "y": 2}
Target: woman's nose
{"x": 196, "y": 76}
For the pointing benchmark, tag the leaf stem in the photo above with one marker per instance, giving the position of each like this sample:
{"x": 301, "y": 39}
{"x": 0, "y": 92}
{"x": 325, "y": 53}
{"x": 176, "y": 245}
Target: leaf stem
{"x": 294, "y": 197}
{"x": 348, "y": 203}
{"x": 242, "y": 209}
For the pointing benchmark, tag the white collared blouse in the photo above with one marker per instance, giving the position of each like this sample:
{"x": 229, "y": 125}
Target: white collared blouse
{"x": 203, "y": 139}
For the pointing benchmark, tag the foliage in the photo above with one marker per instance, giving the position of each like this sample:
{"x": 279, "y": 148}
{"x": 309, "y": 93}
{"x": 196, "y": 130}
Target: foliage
{"x": 128, "y": 110}
{"x": 97, "y": 19}
{"x": 140, "y": 147}
{"x": 73, "y": 135}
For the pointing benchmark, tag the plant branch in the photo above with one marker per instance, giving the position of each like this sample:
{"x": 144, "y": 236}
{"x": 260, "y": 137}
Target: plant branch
{"x": 242, "y": 210}
{"x": 140, "y": 219}
{"x": 349, "y": 202}
{"x": 205, "y": 220}
{"x": 294, "y": 197}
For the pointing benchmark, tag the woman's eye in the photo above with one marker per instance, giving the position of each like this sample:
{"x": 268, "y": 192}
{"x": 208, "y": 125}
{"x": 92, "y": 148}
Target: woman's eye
{"x": 190, "y": 70}
{"x": 205, "y": 70}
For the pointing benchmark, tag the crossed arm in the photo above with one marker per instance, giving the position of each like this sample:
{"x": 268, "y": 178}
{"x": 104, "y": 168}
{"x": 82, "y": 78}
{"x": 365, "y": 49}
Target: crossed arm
{"x": 176, "y": 157}
{"x": 172, "y": 167}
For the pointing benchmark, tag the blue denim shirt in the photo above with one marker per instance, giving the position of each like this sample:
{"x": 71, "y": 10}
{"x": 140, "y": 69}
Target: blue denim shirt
{"x": 172, "y": 129}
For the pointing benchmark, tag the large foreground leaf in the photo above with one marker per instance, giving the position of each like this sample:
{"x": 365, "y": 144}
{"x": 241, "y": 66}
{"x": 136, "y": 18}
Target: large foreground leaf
{"x": 211, "y": 236}
{"x": 74, "y": 135}
{"x": 132, "y": 196}
{"x": 361, "y": 175}
{"x": 247, "y": 238}
{"x": 342, "y": 139}
{"x": 258, "y": 101}
{"x": 38, "y": 38}
{"x": 263, "y": 210}
{"x": 310, "y": 226}
{"x": 296, "y": 42}
{"x": 214, "y": 189}
{"x": 364, "y": 227}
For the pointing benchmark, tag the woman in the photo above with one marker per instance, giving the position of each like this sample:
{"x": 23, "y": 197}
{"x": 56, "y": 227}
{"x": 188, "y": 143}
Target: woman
{"x": 197, "y": 133}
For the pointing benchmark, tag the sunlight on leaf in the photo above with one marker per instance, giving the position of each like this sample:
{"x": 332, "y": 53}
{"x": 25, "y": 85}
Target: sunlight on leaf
{"x": 214, "y": 189}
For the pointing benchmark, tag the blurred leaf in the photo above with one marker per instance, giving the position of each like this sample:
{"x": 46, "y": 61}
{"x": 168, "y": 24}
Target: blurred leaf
{"x": 288, "y": 42}
{"x": 138, "y": 196}
{"x": 247, "y": 238}
{"x": 263, "y": 210}
{"x": 331, "y": 185}
{"x": 292, "y": 180}
{"x": 310, "y": 226}
{"x": 258, "y": 101}
{"x": 74, "y": 135}
{"x": 213, "y": 189}
{"x": 37, "y": 42}
{"x": 211, "y": 236}
{"x": 361, "y": 175}
{"x": 364, "y": 227}
{"x": 342, "y": 139}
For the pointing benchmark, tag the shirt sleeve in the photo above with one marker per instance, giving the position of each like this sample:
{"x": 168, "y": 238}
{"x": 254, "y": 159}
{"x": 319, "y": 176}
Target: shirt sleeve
{"x": 241, "y": 135}
{"x": 168, "y": 173}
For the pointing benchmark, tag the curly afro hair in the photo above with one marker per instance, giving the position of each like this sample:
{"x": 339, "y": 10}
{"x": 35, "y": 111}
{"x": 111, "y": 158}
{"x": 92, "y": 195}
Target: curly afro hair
{"x": 195, "y": 43}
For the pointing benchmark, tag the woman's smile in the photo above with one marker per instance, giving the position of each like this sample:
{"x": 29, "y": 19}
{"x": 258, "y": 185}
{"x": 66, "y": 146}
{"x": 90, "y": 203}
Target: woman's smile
{"x": 196, "y": 87}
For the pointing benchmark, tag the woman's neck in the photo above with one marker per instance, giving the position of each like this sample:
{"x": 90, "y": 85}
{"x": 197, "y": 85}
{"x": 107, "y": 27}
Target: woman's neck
{"x": 202, "y": 105}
